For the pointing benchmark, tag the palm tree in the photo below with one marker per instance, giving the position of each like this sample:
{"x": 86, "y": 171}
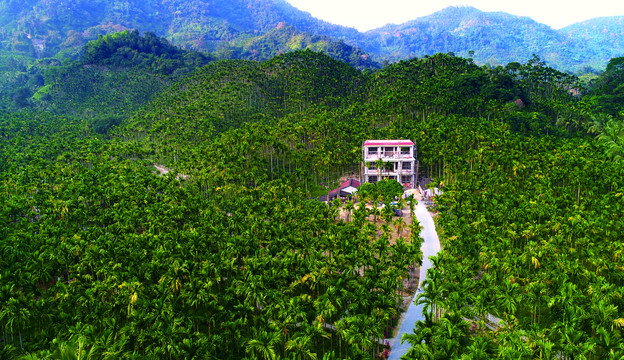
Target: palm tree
{"x": 300, "y": 347}
{"x": 263, "y": 346}
{"x": 399, "y": 224}
{"x": 611, "y": 136}
{"x": 379, "y": 164}
{"x": 349, "y": 206}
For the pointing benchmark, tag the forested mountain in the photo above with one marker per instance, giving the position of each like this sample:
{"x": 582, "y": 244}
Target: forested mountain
{"x": 33, "y": 31}
{"x": 254, "y": 29}
{"x": 43, "y": 28}
{"x": 494, "y": 38}
{"x": 601, "y": 37}
{"x": 112, "y": 77}
{"x": 285, "y": 38}
{"x": 225, "y": 257}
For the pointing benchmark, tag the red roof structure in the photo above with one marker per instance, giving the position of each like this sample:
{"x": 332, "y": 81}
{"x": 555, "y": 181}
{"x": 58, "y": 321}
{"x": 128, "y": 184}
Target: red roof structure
{"x": 339, "y": 191}
{"x": 388, "y": 143}
{"x": 351, "y": 182}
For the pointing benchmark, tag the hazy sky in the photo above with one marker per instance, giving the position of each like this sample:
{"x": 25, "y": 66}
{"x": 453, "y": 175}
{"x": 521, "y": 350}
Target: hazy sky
{"x": 369, "y": 14}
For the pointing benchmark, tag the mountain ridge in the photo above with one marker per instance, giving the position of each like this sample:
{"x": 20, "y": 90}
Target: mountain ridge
{"x": 40, "y": 28}
{"x": 496, "y": 38}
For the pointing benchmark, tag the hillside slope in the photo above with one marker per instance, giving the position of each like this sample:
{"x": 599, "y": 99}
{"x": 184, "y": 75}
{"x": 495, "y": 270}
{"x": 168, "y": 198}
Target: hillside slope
{"x": 44, "y": 27}
{"x": 601, "y": 37}
{"x": 229, "y": 93}
{"x": 494, "y": 38}
{"x": 254, "y": 29}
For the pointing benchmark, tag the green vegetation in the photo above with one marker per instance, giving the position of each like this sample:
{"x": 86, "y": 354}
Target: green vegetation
{"x": 231, "y": 28}
{"x": 113, "y": 76}
{"x": 531, "y": 230}
{"x": 493, "y": 38}
{"x": 385, "y": 189}
{"x": 225, "y": 257}
{"x": 261, "y": 29}
{"x": 285, "y": 39}
{"x": 129, "y": 49}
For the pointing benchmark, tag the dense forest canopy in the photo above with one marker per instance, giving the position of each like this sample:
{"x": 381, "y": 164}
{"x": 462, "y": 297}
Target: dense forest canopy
{"x": 113, "y": 75}
{"x": 226, "y": 256}
{"x": 250, "y": 29}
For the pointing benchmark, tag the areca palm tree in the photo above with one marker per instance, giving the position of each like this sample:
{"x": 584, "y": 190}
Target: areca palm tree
{"x": 399, "y": 224}
{"x": 300, "y": 347}
{"x": 349, "y": 206}
{"x": 380, "y": 165}
{"x": 611, "y": 136}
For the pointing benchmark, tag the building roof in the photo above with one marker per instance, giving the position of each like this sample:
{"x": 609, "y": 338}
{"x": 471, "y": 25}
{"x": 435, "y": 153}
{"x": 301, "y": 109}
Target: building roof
{"x": 351, "y": 182}
{"x": 333, "y": 193}
{"x": 338, "y": 192}
{"x": 388, "y": 143}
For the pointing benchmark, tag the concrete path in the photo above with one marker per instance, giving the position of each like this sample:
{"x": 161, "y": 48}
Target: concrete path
{"x": 430, "y": 247}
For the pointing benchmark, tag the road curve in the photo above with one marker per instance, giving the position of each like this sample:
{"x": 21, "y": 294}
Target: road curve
{"x": 430, "y": 247}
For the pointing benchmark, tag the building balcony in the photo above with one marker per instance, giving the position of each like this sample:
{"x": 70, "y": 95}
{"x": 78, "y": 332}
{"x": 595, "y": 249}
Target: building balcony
{"x": 388, "y": 156}
{"x": 389, "y": 173}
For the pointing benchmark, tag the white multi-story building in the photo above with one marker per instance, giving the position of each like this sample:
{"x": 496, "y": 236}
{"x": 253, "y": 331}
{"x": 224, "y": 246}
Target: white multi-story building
{"x": 389, "y": 159}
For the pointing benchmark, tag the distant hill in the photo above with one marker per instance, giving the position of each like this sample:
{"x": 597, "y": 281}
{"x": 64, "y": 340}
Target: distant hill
{"x": 286, "y": 38}
{"x": 232, "y": 29}
{"x": 495, "y": 38}
{"x": 259, "y": 29}
{"x": 115, "y": 74}
{"x": 601, "y": 39}
{"x": 39, "y": 27}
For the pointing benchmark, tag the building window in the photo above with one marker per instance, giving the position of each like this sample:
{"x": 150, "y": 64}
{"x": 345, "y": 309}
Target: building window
{"x": 371, "y": 165}
{"x": 405, "y": 151}
{"x": 372, "y": 151}
{"x": 372, "y": 179}
{"x": 406, "y": 179}
{"x": 407, "y": 166}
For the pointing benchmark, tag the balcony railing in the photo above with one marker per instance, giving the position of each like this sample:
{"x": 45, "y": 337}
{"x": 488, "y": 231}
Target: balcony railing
{"x": 392, "y": 155}
{"x": 388, "y": 172}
